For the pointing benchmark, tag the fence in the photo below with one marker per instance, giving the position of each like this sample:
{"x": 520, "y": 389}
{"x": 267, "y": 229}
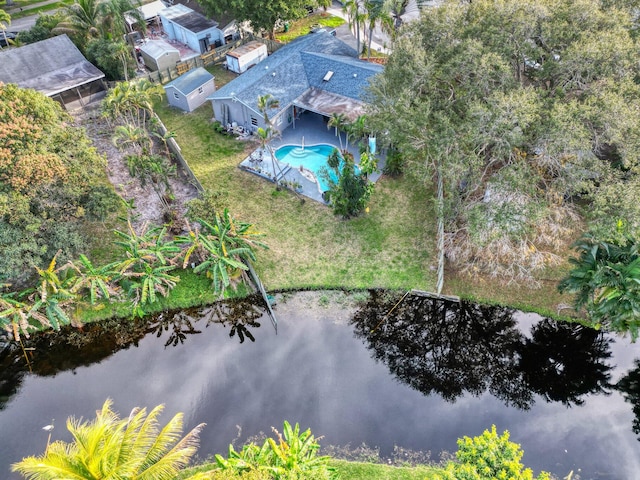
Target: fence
{"x": 177, "y": 154}
{"x": 217, "y": 55}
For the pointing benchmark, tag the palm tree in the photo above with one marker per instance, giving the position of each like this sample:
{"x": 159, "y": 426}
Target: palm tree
{"x": 5, "y": 21}
{"x": 87, "y": 19}
{"x": 82, "y": 20}
{"x": 377, "y": 11}
{"x": 125, "y": 135}
{"x": 397, "y": 8}
{"x": 606, "y": 282}
{"x": 355, "y": 18}
{"x": 131, "y": 102}
{"x": 266, "y": 103}
{"x": 109, "y": 447}
{"x": 339, "y": 122}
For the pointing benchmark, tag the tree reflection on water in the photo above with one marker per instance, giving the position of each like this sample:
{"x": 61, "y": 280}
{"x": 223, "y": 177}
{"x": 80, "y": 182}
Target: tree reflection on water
{"x": 452, "y": 348}
{"x": 49, "y": 353}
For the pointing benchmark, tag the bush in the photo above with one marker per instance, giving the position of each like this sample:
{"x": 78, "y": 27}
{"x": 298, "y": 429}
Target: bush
{"x": 489, "y": 457}
{"x": 207, "y": 205}
{"x": 292, "y": 456}
{"x": 394, "y": 165}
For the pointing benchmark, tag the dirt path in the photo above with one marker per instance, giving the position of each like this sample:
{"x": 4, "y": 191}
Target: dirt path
{"x": 147, "y": 205}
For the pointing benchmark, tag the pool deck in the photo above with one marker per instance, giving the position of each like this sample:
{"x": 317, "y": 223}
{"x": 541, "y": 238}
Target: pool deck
{"x": 310, "y": 129}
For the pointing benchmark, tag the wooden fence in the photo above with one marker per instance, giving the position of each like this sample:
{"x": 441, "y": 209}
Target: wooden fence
{"x": 212, "y": 57}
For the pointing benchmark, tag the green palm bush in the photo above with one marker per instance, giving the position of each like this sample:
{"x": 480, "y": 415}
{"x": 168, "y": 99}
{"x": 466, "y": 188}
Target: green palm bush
{"x": 113, "y": 448}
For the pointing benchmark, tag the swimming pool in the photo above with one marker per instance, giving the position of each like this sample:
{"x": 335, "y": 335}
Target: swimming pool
{"x": 311, "y": 157}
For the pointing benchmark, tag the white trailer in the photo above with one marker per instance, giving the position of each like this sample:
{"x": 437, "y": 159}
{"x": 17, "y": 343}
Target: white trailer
{"x": 240, "y": 59}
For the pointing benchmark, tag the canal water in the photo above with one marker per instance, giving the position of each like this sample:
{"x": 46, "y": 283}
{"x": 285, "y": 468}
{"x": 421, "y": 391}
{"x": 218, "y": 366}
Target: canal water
{"x": 415, "y": 373}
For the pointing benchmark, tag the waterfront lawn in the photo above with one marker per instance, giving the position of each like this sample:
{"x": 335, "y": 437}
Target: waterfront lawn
{"x": 348, "y": 470}
{"x": 391, "y": 246}
{"x": 309, "y": 246}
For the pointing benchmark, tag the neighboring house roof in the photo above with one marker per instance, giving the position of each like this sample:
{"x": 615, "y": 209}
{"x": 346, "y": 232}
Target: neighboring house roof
{"x": 298, "y": 66}
{"x": 222, "y": 19}
{"x": 158, "y": 48}
{"x": 188, "y": 19}
{"x": 190, "y": 81}
{"x": 50, "y": 66}
{"x": 148, "y": 11}
{"x": 151, "y": 10}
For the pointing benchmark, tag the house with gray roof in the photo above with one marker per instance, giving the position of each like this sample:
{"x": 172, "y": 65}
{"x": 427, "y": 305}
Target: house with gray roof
{"x": 54, "y": 67}
{"x": 316, "y": 73}
{"x": 190, "y": 90}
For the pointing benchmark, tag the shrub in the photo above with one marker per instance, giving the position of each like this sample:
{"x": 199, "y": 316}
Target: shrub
{"x": 488, "y": 457}
{"x": 292, "y": 456}
{"x": 394, "y": 165}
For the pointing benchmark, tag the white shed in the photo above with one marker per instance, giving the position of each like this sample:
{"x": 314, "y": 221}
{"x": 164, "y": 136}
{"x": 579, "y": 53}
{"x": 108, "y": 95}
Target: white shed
{"x": 240, "y": 59}
{"x": 190, "y": 90}
{"x": 159, "y": 55}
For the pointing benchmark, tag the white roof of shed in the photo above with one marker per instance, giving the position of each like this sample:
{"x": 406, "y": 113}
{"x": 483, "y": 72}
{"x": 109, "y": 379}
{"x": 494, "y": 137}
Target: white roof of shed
{"x": 158, "y": 48}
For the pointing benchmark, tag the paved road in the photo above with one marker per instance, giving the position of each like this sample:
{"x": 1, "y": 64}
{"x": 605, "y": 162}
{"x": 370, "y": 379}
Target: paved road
{"x": 25, "y": 23}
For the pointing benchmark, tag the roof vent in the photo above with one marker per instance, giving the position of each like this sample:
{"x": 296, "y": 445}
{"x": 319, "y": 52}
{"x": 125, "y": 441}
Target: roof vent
{"x": 328, "y": 76}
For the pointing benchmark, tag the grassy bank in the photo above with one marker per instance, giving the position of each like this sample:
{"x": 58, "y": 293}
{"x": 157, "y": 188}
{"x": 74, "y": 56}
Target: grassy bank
{"x": 391, "y": 246}
{"x": 348, "y": 470}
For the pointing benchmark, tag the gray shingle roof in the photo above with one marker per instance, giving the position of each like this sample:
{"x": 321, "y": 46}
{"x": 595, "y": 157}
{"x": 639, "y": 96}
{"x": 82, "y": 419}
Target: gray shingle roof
{"x": 299, "y": 65}
{"x": 50, "y": 66}
{"x": 191, "y": 80}
{"x": 188, "y": 18}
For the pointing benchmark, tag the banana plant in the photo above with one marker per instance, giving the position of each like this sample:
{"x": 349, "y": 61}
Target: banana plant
{"x": 221, "y": 249}
{"x": 293, "y": 455}
{"x": 151, "y": 281}
{"x": 95, "y": 281}
{"x": 14, "y": 315}
{"x": 149, "y": 258}
{"x": 51, "y": 297}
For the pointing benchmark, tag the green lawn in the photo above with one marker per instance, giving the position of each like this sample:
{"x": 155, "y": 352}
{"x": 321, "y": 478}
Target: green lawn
{"x": 304, "y": 26}
{"x": 309, "y": 246}
{"x": 391, "y": 246}
{"x": 358, "y": 471}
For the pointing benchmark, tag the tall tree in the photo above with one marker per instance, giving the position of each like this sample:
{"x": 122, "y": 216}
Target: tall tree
{"x": 512, "y": 110}
{"x": 5, "y": 21}
{"x": 262, "y": 15}
{"x": 52, "y": 182}
{"x": 109, "y": 447}
{"x": 377, "y": 12}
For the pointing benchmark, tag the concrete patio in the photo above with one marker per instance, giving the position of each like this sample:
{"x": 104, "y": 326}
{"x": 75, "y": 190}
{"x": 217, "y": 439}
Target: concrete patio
{"x": 308, "y": 129}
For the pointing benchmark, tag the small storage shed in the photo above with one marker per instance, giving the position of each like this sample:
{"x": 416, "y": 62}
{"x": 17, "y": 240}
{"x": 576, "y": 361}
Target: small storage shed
{"x": 190, "y": 90}
{"x": 159, "y": 55}
{"x": 240, "y": 59}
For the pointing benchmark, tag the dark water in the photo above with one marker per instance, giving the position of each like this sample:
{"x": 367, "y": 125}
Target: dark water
{"x": 569, "y": 395}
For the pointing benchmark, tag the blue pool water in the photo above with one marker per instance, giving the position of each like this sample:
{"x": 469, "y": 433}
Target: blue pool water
{"x": 312, "y": 157}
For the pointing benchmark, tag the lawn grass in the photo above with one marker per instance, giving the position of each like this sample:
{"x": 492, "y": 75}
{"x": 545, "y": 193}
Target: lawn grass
{"x": 391, "y": 246}
{"x": 303, "y": 26}
{"x": 348, "y": 470}
{"x": 27, "y": 11}
{"x": 309, "y": 246}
